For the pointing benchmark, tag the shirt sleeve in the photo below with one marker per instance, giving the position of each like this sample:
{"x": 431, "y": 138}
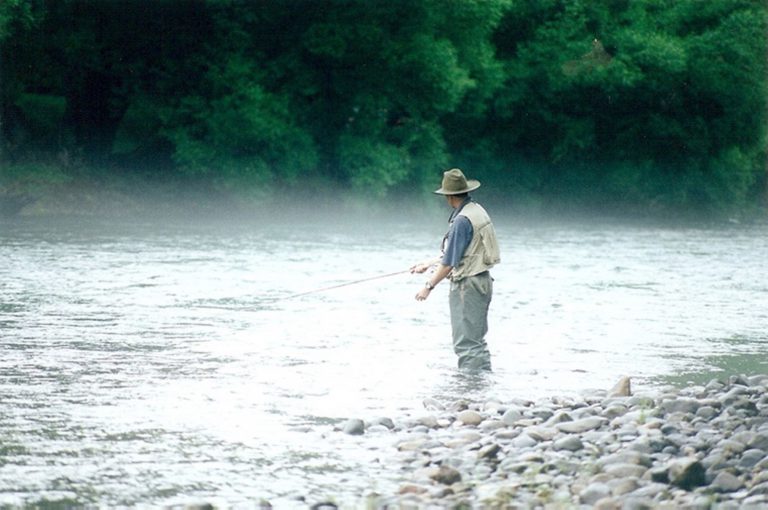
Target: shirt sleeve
{"x": 459, "y": 237}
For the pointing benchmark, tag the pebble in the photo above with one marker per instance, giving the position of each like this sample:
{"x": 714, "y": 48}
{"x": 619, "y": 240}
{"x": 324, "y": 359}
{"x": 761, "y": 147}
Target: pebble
{"x": 354, "y": 427}
{"x": 570, "y": 443}
{"x": 469, "y": 417}
{"x": 581, "y": 426}
{"x": 697, "y": 447}
{"x": 726, "y": 482}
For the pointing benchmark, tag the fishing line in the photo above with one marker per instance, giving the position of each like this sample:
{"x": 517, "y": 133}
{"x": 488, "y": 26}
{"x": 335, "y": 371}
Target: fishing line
{"x": 345, "y": 284}
{"x": 275, "y": 299}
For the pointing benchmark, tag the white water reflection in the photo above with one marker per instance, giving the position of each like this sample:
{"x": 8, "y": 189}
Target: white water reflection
{"x": 158, "y": 366}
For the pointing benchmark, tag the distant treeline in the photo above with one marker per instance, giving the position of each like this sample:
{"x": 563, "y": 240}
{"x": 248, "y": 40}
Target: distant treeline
{"x": 645, "y": 104}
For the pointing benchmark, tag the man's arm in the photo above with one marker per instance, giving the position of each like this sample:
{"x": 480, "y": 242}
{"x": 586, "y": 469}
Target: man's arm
{"x": 440, "y": 274}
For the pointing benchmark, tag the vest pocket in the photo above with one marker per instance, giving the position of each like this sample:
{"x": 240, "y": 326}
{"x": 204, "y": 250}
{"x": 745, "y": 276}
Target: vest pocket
{"x": 491, "y": 254}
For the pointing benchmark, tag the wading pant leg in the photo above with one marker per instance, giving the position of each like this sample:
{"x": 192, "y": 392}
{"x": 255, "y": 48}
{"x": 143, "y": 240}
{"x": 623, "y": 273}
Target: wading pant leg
{"x": 469, "y": 301}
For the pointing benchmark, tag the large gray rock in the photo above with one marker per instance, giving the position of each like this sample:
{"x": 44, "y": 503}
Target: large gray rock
{"x": 687, "y": 473}
{"x": 621, "y": 388}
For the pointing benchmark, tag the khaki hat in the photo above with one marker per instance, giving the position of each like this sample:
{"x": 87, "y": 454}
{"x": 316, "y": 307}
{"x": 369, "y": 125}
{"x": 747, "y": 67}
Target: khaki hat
{"x": 454, "y": 183}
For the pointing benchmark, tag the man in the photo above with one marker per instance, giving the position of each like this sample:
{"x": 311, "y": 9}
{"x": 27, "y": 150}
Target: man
{"x": 470, "y": 249}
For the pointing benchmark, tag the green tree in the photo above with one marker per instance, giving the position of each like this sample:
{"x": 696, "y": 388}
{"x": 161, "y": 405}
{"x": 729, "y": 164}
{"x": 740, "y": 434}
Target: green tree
{"x": 647, "y": 102}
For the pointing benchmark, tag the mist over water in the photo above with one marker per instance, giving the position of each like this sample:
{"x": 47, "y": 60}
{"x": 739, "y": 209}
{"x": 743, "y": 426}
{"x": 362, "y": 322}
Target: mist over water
{"x": 163, "y": 363}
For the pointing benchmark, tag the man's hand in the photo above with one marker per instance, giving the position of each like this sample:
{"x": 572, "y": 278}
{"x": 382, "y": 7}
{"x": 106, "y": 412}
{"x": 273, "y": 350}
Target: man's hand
{"x": 441, "y": 272}
{"x": 421, "y": 267}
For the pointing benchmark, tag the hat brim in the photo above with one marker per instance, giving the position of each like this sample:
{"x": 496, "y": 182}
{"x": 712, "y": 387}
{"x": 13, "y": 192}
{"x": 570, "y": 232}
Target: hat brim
{"x": 472, "y": 185}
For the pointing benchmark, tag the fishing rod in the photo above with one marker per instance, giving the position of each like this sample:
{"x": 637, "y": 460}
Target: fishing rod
{"x": 275, "y": 299}
{"x": 345, "y": 284}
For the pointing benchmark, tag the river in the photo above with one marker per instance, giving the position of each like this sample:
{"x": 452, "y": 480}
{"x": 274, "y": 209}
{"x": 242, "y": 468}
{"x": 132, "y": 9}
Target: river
{"x": 163, "y": 363}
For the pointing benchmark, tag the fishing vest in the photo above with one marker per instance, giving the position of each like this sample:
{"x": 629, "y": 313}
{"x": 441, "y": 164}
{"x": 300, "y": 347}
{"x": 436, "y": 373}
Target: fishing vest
{"x": 483, "y": 250}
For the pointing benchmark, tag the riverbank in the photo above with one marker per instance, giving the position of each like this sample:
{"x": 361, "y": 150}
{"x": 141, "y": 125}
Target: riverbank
{"x": 134, "y": 195}
{"x": 698, "y": 447}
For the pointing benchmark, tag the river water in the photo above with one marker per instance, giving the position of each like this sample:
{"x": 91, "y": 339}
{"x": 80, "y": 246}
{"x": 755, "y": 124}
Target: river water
{"x": 156, "y": 363}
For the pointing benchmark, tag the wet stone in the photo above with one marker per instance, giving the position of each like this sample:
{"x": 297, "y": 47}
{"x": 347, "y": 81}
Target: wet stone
{"x": 614, "y": 411}
{"x": 706, "y": 412}
{"x": 570, "y": 443}
{"x": 759, "y": 441}
{"x": 583, "y": 425}
{"x": 622, "y": 388}
{"x": 726, "y": 482}
{"x": 733, "y": 395}
{"x": 446, "y": 475}
{"x": 559, "y": 417}
{"x": 490, "y": 425}
{"x": 759, "y": 489}
{"x": 680, "y": 405}
{"x": 683, "y": 449}
{"x": 506, "y": 435}
{"x": 607, "y": 504}
{"x": 511, "y": 416}
{"x": 731, "y": 447}
{"x": 621, "y": 486}
{"x": 687, "y": 473}
{"x": 433, "y": 405}
{"x": 489, "y": 451}
{"x": 750, "y": 458}
{"x": 627, "y": 457}
{"x": 469, "y": 417}
{"x": 541, "y": 433}
{"x": 354, "y": 427}
{"x": 625, "y": 470}
{"x": 593, "y": 493}
{"x": 412, "y": 444}
{"x": 429, "y": 421}
{"x": 384, "y": 422}
{"x": 524, "y": 441}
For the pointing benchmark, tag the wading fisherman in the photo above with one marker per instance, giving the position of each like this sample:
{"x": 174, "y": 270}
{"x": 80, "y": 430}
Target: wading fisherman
{"x": 469, "y": 250}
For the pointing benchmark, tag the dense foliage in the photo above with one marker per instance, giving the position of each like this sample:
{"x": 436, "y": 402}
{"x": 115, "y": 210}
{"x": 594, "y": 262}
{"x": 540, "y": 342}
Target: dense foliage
{"x": 642, "y": 103}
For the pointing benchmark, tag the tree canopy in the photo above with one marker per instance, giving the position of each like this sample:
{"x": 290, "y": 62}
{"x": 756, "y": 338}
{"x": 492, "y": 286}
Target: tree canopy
{"x": 641, "y": 103}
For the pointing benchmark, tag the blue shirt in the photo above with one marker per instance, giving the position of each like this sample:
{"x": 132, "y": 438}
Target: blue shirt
{"x": 459, "y": 236}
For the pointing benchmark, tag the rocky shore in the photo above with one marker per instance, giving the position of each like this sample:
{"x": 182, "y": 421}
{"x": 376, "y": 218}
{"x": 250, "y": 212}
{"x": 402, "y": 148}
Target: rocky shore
{"x": 699, "y": 447}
